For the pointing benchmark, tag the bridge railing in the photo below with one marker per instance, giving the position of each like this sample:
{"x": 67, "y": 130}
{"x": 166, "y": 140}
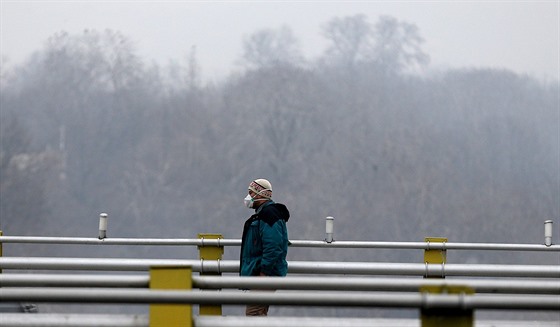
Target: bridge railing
{"x": 216, "y": 240}
{"x": 455, "y": 302}
{"x": 220, "y": 242}
{"x": 170, "y": 281}
{"x": 328, "y": 283}
{"x": 294, "y": 267}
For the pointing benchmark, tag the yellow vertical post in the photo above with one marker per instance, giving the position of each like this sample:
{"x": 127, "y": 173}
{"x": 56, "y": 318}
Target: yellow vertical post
{"x": 443, "y": 317}
{"x": 171, "y": 278}
{"x": 447, "y": 317}
{"x": 437, "y": 256}
{"x": 210, "y": 252}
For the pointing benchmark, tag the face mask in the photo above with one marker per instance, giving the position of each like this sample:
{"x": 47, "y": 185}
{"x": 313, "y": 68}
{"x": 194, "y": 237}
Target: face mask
{"x": 249, "y": 201}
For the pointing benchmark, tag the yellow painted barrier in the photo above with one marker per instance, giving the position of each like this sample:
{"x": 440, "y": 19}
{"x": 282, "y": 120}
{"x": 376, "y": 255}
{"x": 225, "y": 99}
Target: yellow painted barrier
{"x": 210, "y": 252}
{"x": 171, "y": 278}
{"x": 435, "y": 255}
{"x": 447, "y": 317}
{"x": 443, "y": 317}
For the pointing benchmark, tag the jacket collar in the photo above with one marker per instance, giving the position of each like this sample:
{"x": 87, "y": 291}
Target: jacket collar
{"x": 259, "y": 209}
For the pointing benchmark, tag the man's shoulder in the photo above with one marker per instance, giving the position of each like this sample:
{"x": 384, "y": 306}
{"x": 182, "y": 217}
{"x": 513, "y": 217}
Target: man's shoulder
{"x": 274, "y": 212}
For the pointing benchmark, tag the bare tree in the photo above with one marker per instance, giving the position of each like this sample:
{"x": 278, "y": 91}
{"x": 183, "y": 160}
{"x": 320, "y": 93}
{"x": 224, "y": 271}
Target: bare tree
{"x": 389, "y": 44}
{"x": 24, "y": 174}
{"x": 397, "y": 45}
{"x": 269, "y": 47}
{"x": 193, "y": 75}
{"x": 350, "y": 38}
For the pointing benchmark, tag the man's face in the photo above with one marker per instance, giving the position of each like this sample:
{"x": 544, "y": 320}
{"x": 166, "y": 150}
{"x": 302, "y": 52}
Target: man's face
{"x": 257, "y": 199}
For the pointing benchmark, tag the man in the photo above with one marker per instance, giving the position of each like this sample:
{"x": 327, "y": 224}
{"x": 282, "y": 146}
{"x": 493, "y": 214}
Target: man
{"x": 264, "y": 244}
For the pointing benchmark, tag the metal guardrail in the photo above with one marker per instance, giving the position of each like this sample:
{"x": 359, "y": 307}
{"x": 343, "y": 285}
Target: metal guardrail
{"x": 294, "y": 243}
{"x": 335, "y": 299}
{"x": 73, "y": 280}
{"x": 73, "y": 320}
{"x": 435, "y": 297}
{"x": 513, "y": 286}
{"x": 295, "y": 267}
{"x": 345, "y": 322}
{"x": 114, "y": 320}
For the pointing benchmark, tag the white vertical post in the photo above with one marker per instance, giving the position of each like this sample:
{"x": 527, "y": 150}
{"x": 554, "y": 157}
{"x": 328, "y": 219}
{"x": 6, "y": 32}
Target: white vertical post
{"x": 548, "y": 232}
{"x": 102, "y": 226}
{"x": 329, "y": 229}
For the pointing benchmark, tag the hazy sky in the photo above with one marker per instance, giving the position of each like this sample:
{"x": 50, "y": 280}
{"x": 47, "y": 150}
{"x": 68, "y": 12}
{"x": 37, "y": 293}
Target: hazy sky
{"x": 523, "y": 36}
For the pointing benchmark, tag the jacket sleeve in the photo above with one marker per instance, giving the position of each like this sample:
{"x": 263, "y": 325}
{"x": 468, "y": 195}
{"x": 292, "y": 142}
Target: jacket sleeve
{"x": 271, "y": 246}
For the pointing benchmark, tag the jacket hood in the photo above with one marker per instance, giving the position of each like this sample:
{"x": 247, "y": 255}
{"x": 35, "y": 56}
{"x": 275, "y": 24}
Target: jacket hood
{"x": 282, "y": 211}
{"x": 272, "y": 212}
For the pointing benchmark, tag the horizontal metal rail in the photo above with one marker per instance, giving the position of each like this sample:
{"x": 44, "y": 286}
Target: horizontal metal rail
{"x": 119, "y": 320}
{"x": 518, "y": 286}
{"x": 73, "y": 280}
{"x": 297, "y": 267}
{"x": 238, "y": 321}
{"x": 119, "y": 241}
{"x": 376, "y": 284}
{"x": 74, "y": 320}
{"x": 309, "y": 298}
{"x": 294, "y": 243}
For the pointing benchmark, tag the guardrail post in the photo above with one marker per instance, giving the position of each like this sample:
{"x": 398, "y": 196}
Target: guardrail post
{"x": 102, "y": 226}
{"x": 210, "y": 252}
{"x": 329, "y": 229}
{"x": 1, "y": 234}
{"x": 443, "y": 317}
{"x": 447, "y": 317}
{"x": 548, "y": 232}
{"x": 435, "y": 256}
{"x": 171, "y": 278}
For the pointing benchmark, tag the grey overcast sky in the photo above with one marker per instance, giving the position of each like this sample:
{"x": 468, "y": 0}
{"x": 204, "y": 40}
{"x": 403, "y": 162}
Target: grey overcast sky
{"x": 522, "y": 36}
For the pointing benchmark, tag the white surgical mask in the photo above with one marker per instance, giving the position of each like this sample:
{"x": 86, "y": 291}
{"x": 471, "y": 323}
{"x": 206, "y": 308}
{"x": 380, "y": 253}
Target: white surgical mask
{"x": 249, "y": 201}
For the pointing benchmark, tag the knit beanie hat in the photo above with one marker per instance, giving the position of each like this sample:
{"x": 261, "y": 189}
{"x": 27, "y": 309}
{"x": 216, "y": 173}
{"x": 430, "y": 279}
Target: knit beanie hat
{"x": 261, "y": 187}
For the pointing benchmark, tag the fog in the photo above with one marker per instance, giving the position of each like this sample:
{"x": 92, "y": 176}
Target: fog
{"x": 522, "y": 36}
{"x": 88, "y": 126}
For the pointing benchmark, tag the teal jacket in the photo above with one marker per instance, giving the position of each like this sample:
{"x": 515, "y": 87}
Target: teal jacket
{"x": 264, "y": 244}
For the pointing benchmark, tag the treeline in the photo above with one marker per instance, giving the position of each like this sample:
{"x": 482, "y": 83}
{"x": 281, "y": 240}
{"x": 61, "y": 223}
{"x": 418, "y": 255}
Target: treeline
{"x": 358, "y": 134}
